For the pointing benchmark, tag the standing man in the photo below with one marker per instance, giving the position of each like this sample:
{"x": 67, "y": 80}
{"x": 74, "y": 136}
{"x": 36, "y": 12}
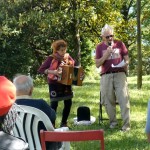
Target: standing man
{"x": 113, "y": 84}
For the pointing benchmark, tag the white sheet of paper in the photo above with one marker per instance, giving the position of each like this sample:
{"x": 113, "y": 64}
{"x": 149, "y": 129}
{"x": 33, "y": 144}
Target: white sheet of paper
{"x": 121, "y": 64}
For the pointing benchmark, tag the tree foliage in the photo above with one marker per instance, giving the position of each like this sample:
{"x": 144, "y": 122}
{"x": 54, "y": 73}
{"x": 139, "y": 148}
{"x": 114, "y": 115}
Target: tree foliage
{"x": 28, "y": 27}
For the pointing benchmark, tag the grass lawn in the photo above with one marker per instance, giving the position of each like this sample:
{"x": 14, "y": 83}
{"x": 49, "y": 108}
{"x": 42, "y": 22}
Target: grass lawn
{"x": 88, "y": 95}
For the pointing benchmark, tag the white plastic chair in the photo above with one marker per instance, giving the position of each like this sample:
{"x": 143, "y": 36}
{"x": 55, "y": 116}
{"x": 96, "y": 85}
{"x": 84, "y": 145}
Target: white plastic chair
{"x": 26, "y": 126}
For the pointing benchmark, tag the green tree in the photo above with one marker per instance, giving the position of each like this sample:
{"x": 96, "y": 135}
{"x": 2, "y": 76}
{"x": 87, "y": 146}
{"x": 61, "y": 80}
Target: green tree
{"x": 29, "y": 27}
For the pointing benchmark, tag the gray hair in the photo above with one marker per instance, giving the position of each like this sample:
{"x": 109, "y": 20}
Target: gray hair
{"x": 23, "y": 83}
{"x": 106, "y": 28}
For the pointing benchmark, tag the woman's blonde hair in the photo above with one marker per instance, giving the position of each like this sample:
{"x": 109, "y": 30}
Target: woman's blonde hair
{"x": 56, "y": 45}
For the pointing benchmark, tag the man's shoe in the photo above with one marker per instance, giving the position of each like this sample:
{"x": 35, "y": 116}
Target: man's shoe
{"x": 113, "y": 125}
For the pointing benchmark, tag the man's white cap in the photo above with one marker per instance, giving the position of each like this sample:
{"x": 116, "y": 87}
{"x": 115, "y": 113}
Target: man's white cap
{"x": 106, "y": 28}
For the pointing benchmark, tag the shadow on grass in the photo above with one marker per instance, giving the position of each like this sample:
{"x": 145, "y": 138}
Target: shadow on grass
{"x": 88, "y": 95}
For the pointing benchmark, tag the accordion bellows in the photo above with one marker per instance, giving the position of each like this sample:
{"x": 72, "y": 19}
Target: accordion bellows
{"x": 71, "y": 75}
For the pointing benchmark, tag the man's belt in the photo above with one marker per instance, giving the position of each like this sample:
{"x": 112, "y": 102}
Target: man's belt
{"x": 111, "y": 72}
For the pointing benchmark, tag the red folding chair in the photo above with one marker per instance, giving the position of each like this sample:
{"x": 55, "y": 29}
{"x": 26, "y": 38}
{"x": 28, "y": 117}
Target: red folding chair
{"x": 74, "y": 136}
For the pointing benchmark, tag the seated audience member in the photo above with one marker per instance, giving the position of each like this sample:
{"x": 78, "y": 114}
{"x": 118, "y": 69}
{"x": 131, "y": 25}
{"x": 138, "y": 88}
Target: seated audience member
{"x": 8, "y": 115}
{"x": 147, "y": 128}
{"x": 7, "y": 109}
{"x": 24, "y": 89}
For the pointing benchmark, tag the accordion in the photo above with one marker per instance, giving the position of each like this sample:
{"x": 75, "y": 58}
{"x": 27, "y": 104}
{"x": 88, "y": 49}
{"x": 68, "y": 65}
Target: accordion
{"x": 66, "y": 76}
{"x": 78, "y": 76}
{"x": 71, "y": 75}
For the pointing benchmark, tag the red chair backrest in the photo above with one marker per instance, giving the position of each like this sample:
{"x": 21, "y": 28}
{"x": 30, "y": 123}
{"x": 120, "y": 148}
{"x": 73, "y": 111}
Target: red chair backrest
{"x": 87, "y": 135}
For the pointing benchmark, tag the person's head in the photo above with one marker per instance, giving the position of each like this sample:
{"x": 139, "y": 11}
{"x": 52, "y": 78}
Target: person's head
{"x": 60, "y": 47}
{"x": 107, "y": 33}
{"x": 23, "y": 84}
{"x": 7, "y": 96}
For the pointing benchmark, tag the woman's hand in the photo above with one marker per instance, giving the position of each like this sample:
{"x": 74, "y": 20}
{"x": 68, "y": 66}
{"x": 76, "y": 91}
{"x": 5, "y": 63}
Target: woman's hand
{"x": 58, "y": 72}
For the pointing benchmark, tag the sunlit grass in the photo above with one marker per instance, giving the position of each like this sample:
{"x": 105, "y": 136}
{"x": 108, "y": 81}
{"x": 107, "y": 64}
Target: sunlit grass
{"x": 88, "y": 95}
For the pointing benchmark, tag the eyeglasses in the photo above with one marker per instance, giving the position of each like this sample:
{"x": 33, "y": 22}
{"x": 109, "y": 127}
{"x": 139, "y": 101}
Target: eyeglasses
{"x": 107, "y": 37}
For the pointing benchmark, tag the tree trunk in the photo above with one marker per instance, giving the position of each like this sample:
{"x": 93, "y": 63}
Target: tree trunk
{"x": 77, "y": 46}
{"x": 139, "y": 54}
{"x": 76, "y": 35}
